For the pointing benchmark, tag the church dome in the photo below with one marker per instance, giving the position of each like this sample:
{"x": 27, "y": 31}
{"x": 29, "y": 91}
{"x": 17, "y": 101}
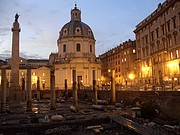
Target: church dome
{"x": 76, "y": 28}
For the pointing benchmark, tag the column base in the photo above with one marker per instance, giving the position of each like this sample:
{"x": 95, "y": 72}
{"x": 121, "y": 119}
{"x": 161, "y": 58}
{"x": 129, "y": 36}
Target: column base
{"x": 29, "y": 106}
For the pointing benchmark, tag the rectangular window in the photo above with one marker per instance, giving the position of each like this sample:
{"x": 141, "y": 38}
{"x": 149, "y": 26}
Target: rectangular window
{"x": 168, "y": 26}
{"x": 90, "y": 48}
{"x": 163, "y": 29}
{"x": 157, "y": 33}
{"x": 146, "y": 39}
{"x": 64, "y": 48}
{"x": 152, "y": 36}
{"x": 78, "y": 47}
{"x": 174, "y": 22}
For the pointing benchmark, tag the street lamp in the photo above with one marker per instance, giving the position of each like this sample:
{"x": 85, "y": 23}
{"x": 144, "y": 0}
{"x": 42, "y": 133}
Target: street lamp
{"x": 131, "y": 77}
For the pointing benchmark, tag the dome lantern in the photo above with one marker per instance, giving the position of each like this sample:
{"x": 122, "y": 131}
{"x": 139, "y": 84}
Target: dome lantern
{"x": 75, "y": 14}
{"x": 76, "y": 28}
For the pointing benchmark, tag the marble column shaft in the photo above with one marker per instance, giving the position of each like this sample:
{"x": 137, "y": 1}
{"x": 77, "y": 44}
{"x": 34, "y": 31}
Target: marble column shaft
{"x": 74, "y": 88}
{"x": 3, "y": 89}
{"x": 52, "y": 87}
{"x": 28, "y": 88}
{"x": 94, "y": 86}
{"x": 15, "y": 88}
{"x": 113, "y": 86}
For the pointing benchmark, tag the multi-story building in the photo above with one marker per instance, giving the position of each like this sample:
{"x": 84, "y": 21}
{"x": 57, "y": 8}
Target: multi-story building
{"x": 40, "y": 73}
{"x": 121, "y": 59}
{"x": 158, "y": 46}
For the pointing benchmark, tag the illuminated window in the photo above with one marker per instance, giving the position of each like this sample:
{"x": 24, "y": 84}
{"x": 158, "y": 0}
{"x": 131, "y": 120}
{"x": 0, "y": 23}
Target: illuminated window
{"x": 170, "y": 41}
{"x": 43, "y": 74}
{"x": 171, "y": 55}
{"x": 33, "y": 73}
{"x": 124, "y": 59}
{"x": 134, "y": 51}
{"x": 177, "y": 53}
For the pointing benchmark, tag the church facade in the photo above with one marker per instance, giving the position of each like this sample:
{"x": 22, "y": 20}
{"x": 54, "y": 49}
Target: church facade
{"x": 76, "y": 51}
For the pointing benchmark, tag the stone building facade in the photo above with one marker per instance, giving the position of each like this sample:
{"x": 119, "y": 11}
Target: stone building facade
{"x": 121, "y": 59}
{"x": 158, "y": 46}
{"x": 76, "y": 51}
{"x": 40, "y": 73}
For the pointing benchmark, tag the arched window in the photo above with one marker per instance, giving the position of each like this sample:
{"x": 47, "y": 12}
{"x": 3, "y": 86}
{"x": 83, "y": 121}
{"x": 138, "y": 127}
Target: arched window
{"x": 169, "y": 40}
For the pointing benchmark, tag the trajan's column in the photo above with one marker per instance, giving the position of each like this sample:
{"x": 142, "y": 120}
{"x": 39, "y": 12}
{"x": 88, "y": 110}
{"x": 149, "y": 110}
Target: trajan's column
{"x": 15, "y": 88}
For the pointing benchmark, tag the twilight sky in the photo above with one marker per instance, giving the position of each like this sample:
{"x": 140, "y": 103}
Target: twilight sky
{"x": 112, "y": 22}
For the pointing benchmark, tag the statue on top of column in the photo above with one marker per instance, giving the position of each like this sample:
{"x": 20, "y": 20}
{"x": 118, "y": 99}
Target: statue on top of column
{"x": 16, "y": 17}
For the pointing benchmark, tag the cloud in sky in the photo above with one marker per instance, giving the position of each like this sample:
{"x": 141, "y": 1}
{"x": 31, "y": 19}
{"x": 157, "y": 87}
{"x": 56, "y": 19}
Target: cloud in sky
{"x": 6, "y": 54}
{"x": 112, "y": 22}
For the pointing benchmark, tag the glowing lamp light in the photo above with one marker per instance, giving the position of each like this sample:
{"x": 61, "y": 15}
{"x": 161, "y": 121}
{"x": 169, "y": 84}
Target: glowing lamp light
{"x": 171, "y": 64}
{"x": 131, "y": 76}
